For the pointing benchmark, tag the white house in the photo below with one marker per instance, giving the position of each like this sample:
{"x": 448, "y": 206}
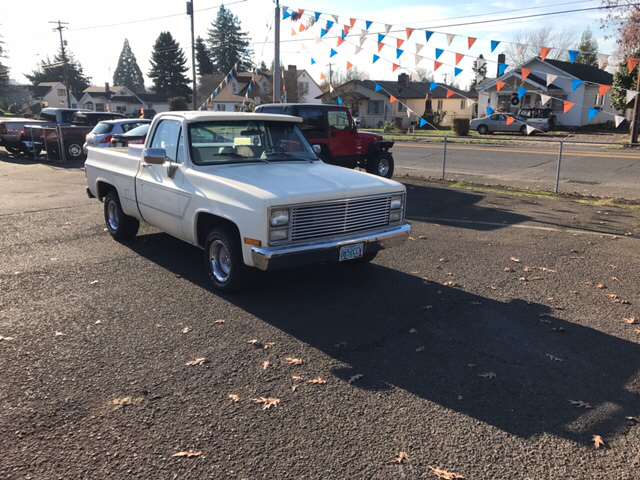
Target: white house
{"x": 122, "y": 100}
{"x": 51, "y": 94}
{"x": 560, "y": 89}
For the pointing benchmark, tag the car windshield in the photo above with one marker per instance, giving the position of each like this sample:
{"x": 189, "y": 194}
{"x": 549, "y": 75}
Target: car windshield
{"x": 242, "y": 141}
{"x": 102, "y": 128}
{"x": 140, "y": 131}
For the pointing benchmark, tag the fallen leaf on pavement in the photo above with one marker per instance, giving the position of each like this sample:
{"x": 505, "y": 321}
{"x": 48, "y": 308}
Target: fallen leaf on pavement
{"x": 528, "y": 269}
{"x": 197, "y": 361}
{"x": 579, "y": 404}
{"x": 293, "y": 361}
{"x": 420, "y": 349}
{"x": 411, "y": 238}
{"x": 545, "y": 269}
{"x": 488, "y": 375}
{"x": 234, "y": 397}
{"x": 267, "y": 403}
{"x": 616, "y": 279}
{"x": 266, "y": 364}
{"x": 450, "y": 284}
{"x": 601, "y": 286}
{"x": 514, "y": 259}
{"x": 413, "y": 330}
{"x": 59, "y": 334}
{"x": 557, "y": 329}
{"x": 588, "y": 284}
{"x": 613, "y": 266}
{"x": 613, "y": 296}
{"x": 268, "y": 345}
{"x": 255, "y": 343}
{"x": 124, "y": 401}
{"x": 555, "y": 359}
{"x": 297, "y": 378}
{"x": 5, "y": 338}
{"x": 631, "y": 320}
{"x": 402, "y": 456}
{"x": 443, "y": 260}
{"x": 446, "y": 475}
{"x": 188, "y": 454}
{"x": 93, "y": 282}
{"x": 632, "y": 419}
{"x": 186, "y": 330}
{"x": 522, "y": 279}
{"x": 356, "y": 377}
{"x": 219, "y": 321}
{"x": 509, "y": 270}
{"x": 598, "y": 441}
{"x": 638, "y": 331}
{"x": 493, "y": 287}
{"x": 317, "y": 381}
{"x": 294, "y": 388}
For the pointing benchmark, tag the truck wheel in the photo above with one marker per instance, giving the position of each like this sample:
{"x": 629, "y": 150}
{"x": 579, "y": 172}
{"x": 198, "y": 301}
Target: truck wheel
{"x": 483, "y": 129}
{"x": 381, "y": 164}
{"x": 74, "y": 151}
{"x": 223, "y": 261}
{"x": 120, "y": 225}
{"x": 13, "y": 150}
{"x": 29, "y": 152}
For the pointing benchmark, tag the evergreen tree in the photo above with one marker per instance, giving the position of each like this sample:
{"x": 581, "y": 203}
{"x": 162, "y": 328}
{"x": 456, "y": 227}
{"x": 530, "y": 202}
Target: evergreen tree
{"x": 53, "y": 71}
{"x": 128, "y": 73}
{"x": 622, "y": 81}
{"x": 4, "y": 71}
{"x": 263, "y": 66}
{"x": 478, "y": 71}
{"x": 588, "y": 48}
{"x": 203, "y": 61}
{"x": 168, "y": 65}
{"x": 227, "y": 43}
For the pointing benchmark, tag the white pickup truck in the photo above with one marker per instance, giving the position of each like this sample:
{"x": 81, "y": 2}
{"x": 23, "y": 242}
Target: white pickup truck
{"x": 249, "y": 190}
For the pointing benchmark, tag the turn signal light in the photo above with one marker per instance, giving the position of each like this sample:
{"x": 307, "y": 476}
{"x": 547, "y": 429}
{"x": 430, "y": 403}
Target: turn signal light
{"x": 251, "y": 241}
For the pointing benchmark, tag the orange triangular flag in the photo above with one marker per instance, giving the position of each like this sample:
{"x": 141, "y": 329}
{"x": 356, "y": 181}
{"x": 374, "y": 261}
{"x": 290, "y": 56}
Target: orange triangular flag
{"x": 544, "y": 51}
{"x": 293, "y": 32}
{"x": 633, "y": 63}
{"x": 340, "y": 41}
{"x": 567, "y": 106}
{"x": 400, "y": 42}
{"x": 352, "y": 21}
{"x": 349, "y": 66}
{"x": 500, "y": 85}
{"x": 450, "y": 93}
{"x": 510, "y": 120}
{"x": 471, "y": 41}
{"x": 346, "y": 29}
{"x": 380, "y": 45}
{"x": 323, "y": 76}
{"x": 459, "y": 56}
{"x": 300, "y": 12}
{"x": 302, "y": 27}
{"x": 395, "y": 67}
{"x": 436, "y": 66}
{"x": 393, "y": 99}
{"x": 409, "y": 32}
{"x": 525, "y": 73}
{"x": 604, "y": 89}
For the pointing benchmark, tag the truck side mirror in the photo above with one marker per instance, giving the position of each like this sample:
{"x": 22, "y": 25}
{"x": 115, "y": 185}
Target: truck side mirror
{"x": 317, "y": 149}
{"x": 154, "y": 156}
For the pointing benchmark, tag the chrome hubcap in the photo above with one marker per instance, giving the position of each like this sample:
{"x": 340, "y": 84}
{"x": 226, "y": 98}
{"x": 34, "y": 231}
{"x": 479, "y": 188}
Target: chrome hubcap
{"x": 112, "y": 216}
{"x": 383, "y": 167}
{"x": 75, "y": 150}
{"x": 220, "y": 260}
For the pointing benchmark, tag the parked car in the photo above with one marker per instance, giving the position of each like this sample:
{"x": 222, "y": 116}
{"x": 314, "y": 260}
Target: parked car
{"x": 334, "y": 130}
{"x": 104, "y": 131}
{"x": 135, "y": 136}
{"x": 257, "y": 197}
{"x": 12, "y": 133}
{"x": 497, "y": 122}
{"x": 539, "y": 113}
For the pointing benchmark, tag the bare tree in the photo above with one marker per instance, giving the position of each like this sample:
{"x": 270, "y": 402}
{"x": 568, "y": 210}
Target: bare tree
{"x": 527, "y": 44}
{"x": 420, "y": 74}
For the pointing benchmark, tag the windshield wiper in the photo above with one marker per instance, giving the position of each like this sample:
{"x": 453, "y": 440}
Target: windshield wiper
{"x": 286, "y": 156}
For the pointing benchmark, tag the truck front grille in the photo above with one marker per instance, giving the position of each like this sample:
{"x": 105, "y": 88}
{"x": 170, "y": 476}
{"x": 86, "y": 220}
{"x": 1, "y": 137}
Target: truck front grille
{"x": 339, "y": 218}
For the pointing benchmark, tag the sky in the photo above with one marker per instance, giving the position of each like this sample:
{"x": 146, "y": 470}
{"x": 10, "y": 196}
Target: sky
{"x": 96, "y": 32}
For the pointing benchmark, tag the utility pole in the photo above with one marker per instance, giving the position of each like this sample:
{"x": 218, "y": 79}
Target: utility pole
{"x": 636, "y": 104}
{"x": 276, "y": 56}
{"x": 193, "y": 50}
{"x": 64, "y": 59}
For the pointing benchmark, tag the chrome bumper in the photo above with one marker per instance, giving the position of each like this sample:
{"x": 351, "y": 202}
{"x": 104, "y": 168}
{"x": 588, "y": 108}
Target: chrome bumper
{"x": 288, "y": 256}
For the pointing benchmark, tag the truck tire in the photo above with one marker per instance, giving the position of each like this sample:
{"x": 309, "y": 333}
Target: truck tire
{"x": 29, "y": 152}
{"x": 381, "y": 164}
{"x": 224, "y": 263}
{"x": 13, "y": 150}
{"x": 74, "y": 151}
{"x": 119, "y": 225}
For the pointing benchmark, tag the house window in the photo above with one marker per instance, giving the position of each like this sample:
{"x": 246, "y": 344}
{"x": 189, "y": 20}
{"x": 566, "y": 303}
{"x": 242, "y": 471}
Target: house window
{"x": 463, "y": 104}
{"x": 303, "y": 88}
{"x": 121, "y": 109}
{"x": 375, "y": 107}
{"x": 220, "y": 107}
{"x": 99, "y": 107}
{"x": 504, "y": 102}
{"x": 599, "y": 101}
{"x": 440, "y": 105}
{"x": 234, "y": 88}
{"x": 62, "y": 92}
{"x": 402, "y": 107}
{"x": 557, "y": 103}
{"x": 265, "y": 86}
{"x": 256, "y": 100}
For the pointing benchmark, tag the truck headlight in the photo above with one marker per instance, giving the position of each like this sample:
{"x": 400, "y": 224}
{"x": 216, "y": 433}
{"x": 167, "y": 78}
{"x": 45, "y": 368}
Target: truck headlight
{"x": 278, "y": 235}
{"x": 396, "y": 202}
{"x": 279, "y": 218}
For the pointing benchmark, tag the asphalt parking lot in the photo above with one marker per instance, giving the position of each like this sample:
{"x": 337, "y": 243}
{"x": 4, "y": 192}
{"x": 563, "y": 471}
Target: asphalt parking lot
{"x": 493, "y": 345}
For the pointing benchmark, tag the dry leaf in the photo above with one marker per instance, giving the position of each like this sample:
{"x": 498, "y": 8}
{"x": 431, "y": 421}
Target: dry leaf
{"x": 123, "y": 402}
{"x": 219, "y": 321}
{"x": 557, "y": 329}
{"x": 514, "y": 259}
{"x": 402, "y": 456}
{"x": 446, "y": 475}
{"x": 528, "y": 269}
{"x": 631, "y": 320}
{"x": 340, "y": 345}
{"x": 450, "y": 284}
{"x": 267, "y": 403}
{"x": 5, "y": 338}
{"x": 613, "y": 296}
{"x": 356, "y": 377}
{"x": 522, "y": 279}
{"x": 420, "y": 349}
{"x": 588, "y": 284}
{"x": 638, "y": 331}
{"x": 254, "y": 342}
{"x": 579, "y": 404}
{"x": 612, "y": 266}
{"x": 598, "y": 441}
{"x": 269, "y": 345}
{"x": 266, "y": 364}
{"x": 197, "y": 361}
{"x": 537, "y": 278}
{"x": 59, "y": 334}
{"x": 297, "y": 378}
{"x": 413, "y": 330}
{"x": 186, "y": 330}
{"x": 488, "y": 375}
{"x": 234, "y": 397}
{"x": 294, "y": 388}
{"x": 492, "y": 287}
{"x": 545, "y": 269}
{"x": 317, "y": 381}
{"x": 555, "y": 359}
{"x": 616, "y": 279}
{"x": 632, "y": 419}
{"x": 188, "y": 454}
{"x": 293, "y": 361}
{"x": 601, "y": 286}
{"x": 509, "y": 270}
{"x": 443, "y": 260}
{"x": 411, "y": 238}
{"x": 460, "y": 397}
{"x": 93, "y": 282}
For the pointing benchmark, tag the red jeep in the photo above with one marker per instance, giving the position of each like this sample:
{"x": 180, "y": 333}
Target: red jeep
{"x": 333, "y": 128}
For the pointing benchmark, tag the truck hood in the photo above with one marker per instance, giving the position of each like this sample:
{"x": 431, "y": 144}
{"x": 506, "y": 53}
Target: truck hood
{"x": 369, "y": 137}
{"x": 281, "y": 183}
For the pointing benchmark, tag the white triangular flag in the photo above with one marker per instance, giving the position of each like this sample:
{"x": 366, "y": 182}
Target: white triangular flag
{"x": 418, "y": 59}
{"x": 551, "y": 78}
{"x": 311, "y": 22}
{"x": 450, "y": 38}
{"x": 631, "y": 94}
{"x": 386, "y": 29}
{"x": 480, "y": 62}
{"x": 619, "y": 120}
{"x": 304, "y": 47}
{"x": 285, "y": 9}
{"x": 530, "y": 129}
{"x": 335, "y": 17}
{"x": 358, "y": 49}
{"x": 330, "y": 88}
{"x": 603, "y": 60}
{"x": 470, "y": 103}
{"x": 544, "y": 99}
{"x": 408, "y": 113}
{"x": 479, "y": 77}
{"x": 318, "y": 40}
{"x": 418, "y": 48}
{"x": 226, "y": 80}
{"x": 519, "y": 48}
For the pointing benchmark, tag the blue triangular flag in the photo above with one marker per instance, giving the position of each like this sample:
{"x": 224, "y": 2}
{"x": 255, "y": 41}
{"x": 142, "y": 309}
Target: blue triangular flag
{"x": 313, "y": 62}
{"x": 573, "y": 55}
{"x": 575, "y": 84}
{"x": 215, "y": 93}
{"x": 329, "y": 25}
{"x": 318, "y": 16}
{"x": 457, "y": 71}
{"x": 339, "y": 101}
{"x": 378, "y": 87}
{"x": 399, "y": 52}
{"x": 439, "y": 52}
{"x": 522, "y": 92}
{"x": 344, "y": 34}
{"x": 368, "y": 24}
{"x": 423, "y": 122}
{"x": 294, "y": 16}
{"x": 494, "y": 44}
{"x": 323, "y": 32}
{"x": 592, "y": 113}
{"x": 428, "y": 34}
{"x": 333, "y": 52}
{"x": 380, "y": 37}
{"x": 252, "y": 89}
{"x": 502, "y": 67}
{"x": 231, "y": 73}
{"x": 433, "y": 86}
{"x": 375, "y": 58}
{"x": 490, "y": 111}
{"x": 286, "y": 15}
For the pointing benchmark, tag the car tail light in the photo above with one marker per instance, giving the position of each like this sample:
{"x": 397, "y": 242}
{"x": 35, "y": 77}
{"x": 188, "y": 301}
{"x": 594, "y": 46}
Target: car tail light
{"x": 86, "y": 138}
{"x": 41, "y": 133}
{"x": 106, "y": 139}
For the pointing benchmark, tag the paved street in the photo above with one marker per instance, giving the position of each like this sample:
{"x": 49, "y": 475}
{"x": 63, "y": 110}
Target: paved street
{"x": 470, "y": 349}
{"x": 590, "y": 170}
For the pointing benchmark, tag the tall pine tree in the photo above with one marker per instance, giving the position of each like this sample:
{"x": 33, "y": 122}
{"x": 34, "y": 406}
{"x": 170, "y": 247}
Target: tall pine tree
{"x": 227, "y": 43}
{"x": 480, "y": 72}
{"x": 53, "y": 71}
{"x": 128, "y": 73}
{"x": 623, "y": 81}
{"x": 168, "y": 65}
{"x": 588, "y": 48}
{"x": 203, "y": 61}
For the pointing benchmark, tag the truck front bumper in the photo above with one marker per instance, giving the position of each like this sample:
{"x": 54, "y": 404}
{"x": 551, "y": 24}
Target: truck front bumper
{"x": 289, "y": 256}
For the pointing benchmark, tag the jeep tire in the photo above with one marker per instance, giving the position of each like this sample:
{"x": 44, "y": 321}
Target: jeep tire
{"x": 381, "y": 164}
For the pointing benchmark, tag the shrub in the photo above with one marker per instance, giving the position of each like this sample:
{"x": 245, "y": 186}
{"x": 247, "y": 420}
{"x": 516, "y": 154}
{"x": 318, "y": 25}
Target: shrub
{"x": 389, "y": 127}
{"x": 178, "y": 104}
{"x": 461, "y": 126}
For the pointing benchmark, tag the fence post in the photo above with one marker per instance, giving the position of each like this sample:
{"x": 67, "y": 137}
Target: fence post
{"x": 559, "y": 165}
{"x": 444, "y": 159}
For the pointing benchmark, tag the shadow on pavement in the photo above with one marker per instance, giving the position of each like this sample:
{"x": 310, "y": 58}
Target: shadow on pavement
{"x": 361, "y": 315}
{"x": 22, "y": 159}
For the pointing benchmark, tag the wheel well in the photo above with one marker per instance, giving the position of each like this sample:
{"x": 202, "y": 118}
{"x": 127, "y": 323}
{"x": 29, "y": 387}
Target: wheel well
{"x": 104, "y": 188}
{"x": 206, "y": 221}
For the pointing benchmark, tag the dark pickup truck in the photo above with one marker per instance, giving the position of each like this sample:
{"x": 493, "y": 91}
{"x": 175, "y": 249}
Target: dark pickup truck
{"x": 12, "y": 131}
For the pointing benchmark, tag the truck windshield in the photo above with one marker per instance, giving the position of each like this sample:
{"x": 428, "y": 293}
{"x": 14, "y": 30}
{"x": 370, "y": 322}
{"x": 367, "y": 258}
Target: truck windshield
{"x": 242, "y": 141}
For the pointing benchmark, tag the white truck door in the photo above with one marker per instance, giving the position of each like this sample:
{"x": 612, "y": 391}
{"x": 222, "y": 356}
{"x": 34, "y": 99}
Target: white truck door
{"x": 161, "y": 200}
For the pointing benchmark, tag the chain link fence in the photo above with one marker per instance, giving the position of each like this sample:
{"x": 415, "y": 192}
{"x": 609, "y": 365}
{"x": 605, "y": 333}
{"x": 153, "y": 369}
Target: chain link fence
{"x": 63, "y": 144}
{"x": 561, "y": 166}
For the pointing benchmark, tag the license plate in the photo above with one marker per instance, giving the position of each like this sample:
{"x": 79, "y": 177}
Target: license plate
{"x": 351, "y": 252}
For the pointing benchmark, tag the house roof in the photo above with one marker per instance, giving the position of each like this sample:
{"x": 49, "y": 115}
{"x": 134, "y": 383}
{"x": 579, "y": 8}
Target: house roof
{"x": 48, "y": 84}
{"x": 39, "y": 91}
{"x": 411, "y": 89}
{"x": 154, "y": 97}
{"x": 94, "y": 89}
{"x": 583, "y": 72}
